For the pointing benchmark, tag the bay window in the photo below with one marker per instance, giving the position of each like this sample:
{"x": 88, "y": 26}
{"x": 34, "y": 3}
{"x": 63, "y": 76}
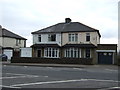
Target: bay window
{"x": 72, "y": 53}
{"x": 51, "y": 52}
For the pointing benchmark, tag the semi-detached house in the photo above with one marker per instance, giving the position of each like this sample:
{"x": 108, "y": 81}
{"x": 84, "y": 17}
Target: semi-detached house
{"x": 10, "y": 43}
{"x": 72, "y": 40}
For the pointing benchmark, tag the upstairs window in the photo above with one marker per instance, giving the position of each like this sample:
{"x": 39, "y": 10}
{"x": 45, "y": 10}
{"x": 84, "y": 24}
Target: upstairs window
{"x": 19, "y": 41}
{"x": 87, "y": 37}
{"x": 24, "y": 43}
{"x": 39, "y": 38}
{"x": 73, "y": 37}
{"x": 52, "y": 37}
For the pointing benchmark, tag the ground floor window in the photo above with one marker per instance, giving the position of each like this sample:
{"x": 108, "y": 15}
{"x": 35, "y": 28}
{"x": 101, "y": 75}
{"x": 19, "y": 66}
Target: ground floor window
{"x": 51, "y": 52}
{"x": 72, "y": 52}
{"x": 87, "y": 53}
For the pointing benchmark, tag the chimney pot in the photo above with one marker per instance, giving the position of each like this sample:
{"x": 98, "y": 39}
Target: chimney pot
{"x": 67, "y": 20}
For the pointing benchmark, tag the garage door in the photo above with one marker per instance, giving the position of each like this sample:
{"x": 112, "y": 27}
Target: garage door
{"x": 9, "y": 53}
{"x": 105, "y": 58}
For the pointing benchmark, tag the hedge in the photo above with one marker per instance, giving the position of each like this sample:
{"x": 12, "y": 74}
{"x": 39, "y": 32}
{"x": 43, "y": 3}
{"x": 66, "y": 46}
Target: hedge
{"x": 87, "y": 61}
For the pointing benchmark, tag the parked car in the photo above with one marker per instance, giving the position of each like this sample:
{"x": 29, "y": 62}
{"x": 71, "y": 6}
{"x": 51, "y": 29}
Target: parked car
{"x": 3, "y": 57}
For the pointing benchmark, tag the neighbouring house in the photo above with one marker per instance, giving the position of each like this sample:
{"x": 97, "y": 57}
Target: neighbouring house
{"x": 72, "y": 40}
{"x": 11, "y": 43}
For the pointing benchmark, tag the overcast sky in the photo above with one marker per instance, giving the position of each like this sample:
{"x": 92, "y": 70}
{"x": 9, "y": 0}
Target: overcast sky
{"x": 25, "y": 16}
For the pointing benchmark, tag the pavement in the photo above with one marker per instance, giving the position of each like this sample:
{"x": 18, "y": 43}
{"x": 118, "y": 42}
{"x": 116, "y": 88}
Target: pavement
{"x": 59, "y": 65}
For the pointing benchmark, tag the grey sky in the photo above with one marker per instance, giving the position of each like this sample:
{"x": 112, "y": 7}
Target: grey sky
{"x": 26, "y": 16}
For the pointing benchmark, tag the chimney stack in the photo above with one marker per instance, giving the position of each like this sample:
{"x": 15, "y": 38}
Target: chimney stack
{"x": 67, "y": 20}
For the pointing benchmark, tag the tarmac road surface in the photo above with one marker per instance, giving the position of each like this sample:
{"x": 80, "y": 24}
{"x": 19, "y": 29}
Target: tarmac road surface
{"x": 99, "y": 76}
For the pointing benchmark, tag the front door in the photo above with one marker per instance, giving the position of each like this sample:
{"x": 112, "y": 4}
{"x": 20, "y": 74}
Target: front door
{"x": 39, "y": 54}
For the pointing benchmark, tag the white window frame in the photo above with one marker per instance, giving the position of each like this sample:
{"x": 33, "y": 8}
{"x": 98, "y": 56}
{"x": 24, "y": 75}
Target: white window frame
{"x": 39, "y": 36}
{"x": 48, "y": 52}
{"x": 50, "y": 36}
{"x": 87, "y": 35}
{"x": 68, "y": 51}
{"x": 73, "y": 37}
{"x": 17, "y": 42}
{"x": 76, "y": 37}
{"x": 85, "y": 53}
{"x": 79, "y": 53}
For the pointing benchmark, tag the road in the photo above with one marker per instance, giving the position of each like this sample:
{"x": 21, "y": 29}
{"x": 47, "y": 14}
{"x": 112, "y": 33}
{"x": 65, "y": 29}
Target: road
{"x": 59, "y": 77}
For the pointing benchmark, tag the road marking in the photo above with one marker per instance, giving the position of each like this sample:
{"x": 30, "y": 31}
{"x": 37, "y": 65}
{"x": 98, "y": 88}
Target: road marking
{"x": 49, "y": 82}
{"x": 17, "y": 77}
{"x": 77, "y": 68}
{"x": 111, "y": 70}
{"x": 102, "y": 80}
{"x": 62, "y": 81}
{"x": 45, "y": 76}
{"x": 25, "y": 66}
{"x": 28, "y": 76}
{"x": 111, "y": 88}
{"x": 54, "y": 69}
{"x": 50, "y": 67}
{"x": 21, "y": 76}
{"x": 16, "y": 74}
{"x": 8, "y": 86}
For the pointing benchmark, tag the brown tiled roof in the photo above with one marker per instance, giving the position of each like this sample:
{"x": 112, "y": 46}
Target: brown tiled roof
{"x": 6, "y": 33}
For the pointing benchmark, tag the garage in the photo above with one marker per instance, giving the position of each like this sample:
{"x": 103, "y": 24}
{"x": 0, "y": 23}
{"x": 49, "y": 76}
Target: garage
{"x": 105, "y": 56}
{"x": 9, "y": 53}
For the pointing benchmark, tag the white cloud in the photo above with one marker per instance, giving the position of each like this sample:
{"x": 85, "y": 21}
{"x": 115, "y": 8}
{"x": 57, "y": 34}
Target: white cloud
{"x": 29, "y": 41}
{"x": 31, "y": 15}
{"x": 109, "y": 41}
